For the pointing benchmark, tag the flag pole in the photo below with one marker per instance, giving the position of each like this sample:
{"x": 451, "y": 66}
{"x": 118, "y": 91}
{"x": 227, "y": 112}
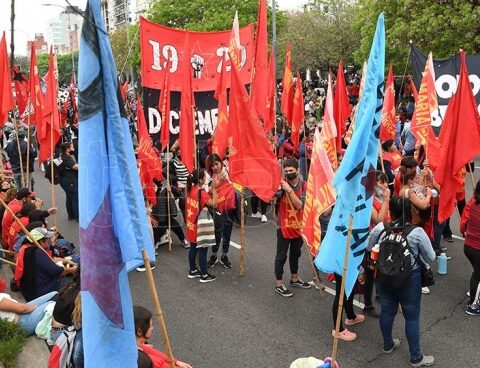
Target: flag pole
{"x": 52, "y": 189}
{"x": 342, "y": 292}
{"x": 242, "y": 232}
{"x": 380, "y": 152}
{"x": 19, "y": 153}
{"x": 168, "y": 203}
{"x": 28, "y": 142}
{"x": 7, "y": 262}
{"x": 472, "y": 177}
{"x": 158, "y": 309}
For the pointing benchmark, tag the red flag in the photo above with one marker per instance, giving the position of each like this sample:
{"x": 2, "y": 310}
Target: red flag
{"x": 341, "y": 106}
{"x": 298, "y": 115}
{"x": 6, "y": 93}
{"x": 387, "y": 128}
{"x": 252, "y": 162}
{"x": 460, "y": 140}
{"x": 329, "y": 129}
{"x": 271, "y": 115}
{"x": 36, "y": 94}
{"x": 164, "y": 108}
{"x": 51, "y": 117}
{"x": 21, "y": 89}
{"x": 260, "y": 77}
{"x": 414, "y": 89}
{"x": 220, "y": 135}
{"x": 351, "y": 127}
{"x": 320, "y": 194}
{"x": 287, "y": 86}
{"x": 187, "y": 117}
{"x": 234, "y": 46}
{"x": 150, "y": 166}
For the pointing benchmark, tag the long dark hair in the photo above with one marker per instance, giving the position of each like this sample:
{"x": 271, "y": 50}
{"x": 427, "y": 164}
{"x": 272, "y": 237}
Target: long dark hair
{"x": 69, "y": 293}
{"x": 211, "y": 160}
{"x": 194, "y": 178}
{"x": 476, "y": 192}
{"x": 401, "y": 211}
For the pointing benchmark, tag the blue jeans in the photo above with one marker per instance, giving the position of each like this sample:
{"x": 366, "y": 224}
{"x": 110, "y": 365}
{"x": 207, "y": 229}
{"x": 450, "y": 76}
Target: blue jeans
{"x": 409, "y": 298}
{"x": 223, "y": 230}
{"x": 18, "y": 180}
{"x": 437, "y": 232}
{"x": 28, "y": 322}
{"x": 202, "y": 258}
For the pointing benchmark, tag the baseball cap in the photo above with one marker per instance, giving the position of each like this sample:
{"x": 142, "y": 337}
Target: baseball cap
{"x": 40, "y": 232}
{"x": 24, "y": 193}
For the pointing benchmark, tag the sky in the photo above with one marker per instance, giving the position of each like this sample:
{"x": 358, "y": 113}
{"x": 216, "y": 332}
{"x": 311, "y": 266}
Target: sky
{"x": 32, "y": 17}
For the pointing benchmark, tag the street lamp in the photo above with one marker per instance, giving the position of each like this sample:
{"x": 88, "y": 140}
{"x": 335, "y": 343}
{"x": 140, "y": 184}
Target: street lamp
{"x": 69, "y": 36}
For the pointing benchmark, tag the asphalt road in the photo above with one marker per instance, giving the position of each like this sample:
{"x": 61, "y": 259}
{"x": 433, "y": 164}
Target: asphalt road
{"x": 242, "y": 322}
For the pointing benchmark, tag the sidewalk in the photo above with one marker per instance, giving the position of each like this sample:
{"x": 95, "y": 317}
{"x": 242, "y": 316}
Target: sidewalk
{"x": 35, "y": 353}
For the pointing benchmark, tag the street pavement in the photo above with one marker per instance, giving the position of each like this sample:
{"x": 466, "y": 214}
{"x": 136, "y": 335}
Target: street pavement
{"x": 242, "y": 322}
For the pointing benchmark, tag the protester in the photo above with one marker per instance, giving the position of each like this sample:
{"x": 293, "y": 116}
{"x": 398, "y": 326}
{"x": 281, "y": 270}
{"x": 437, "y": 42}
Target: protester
{"x": 69, "y": 179}
{"x": 409, "y": 296}
{"x": 418, "y": 195}
{"x": 17, "y": 153}
{"x": 255, "y": 202}
{"x": 148, "y": 356}
{"x": 470, "y": 227}
{"x": 5, "y": 185}
{"x": 290, "y": 200}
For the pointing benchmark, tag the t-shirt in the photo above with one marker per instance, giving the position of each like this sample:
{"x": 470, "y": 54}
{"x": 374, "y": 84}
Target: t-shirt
{"x": 290, "y": 219}
{"x": 194, "y": 204}
{"x": 15, "y": 206}
{"x": 8, "y": 316}
{"x": 68, "y": 172}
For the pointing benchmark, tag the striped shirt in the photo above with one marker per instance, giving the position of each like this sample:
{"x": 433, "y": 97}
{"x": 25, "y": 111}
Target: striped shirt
{"x": 181, "y": 172}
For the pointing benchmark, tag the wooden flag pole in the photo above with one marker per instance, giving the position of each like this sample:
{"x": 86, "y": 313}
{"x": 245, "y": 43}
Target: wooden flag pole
{"x": 158, "y": 309}
{"x": 242, "y": 232}
{"x": 472, "y": 177}
{"x": 28, "y": 144}
{"x": 52, "y": 189}
{"x": 6, "y": 251}
{"x": 168, "y": 203}
{"x": 19, "y": 153}
{"x": 7, "y": 261}
{"x": 342, "y": 292}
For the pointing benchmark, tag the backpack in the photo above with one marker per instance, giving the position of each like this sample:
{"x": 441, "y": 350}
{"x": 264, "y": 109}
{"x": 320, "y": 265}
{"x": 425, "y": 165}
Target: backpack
{"x": 57, "y": 170}
{"x": 61, "y": 355}
{"x": 394, "y": 263}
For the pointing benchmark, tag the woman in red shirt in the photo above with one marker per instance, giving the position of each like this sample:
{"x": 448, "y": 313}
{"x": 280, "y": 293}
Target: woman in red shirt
{"x": 470, "y": 226}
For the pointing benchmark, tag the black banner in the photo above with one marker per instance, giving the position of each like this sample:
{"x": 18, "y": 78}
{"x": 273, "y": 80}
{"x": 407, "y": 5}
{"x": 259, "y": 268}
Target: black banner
{"x": 446, "y": 78}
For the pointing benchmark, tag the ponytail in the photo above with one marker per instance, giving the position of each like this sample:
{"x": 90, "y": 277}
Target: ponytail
{"x": 194, "y": 178}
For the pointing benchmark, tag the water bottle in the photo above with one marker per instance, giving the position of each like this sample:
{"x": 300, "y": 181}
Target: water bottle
{"x": 442, "y": 264}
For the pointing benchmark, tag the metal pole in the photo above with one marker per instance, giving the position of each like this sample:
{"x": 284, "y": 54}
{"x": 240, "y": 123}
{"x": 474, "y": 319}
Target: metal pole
{"x": 71, "y": 46}
{"x": 12, "y": 32}
{"x": 127, "y": 24}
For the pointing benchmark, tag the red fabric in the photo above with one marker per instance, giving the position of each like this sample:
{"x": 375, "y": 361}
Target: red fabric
{"x": 329, "y": 129}
{"x": 14, "y": 230}
{"x": 414, "y": 90}
{"x": 289, "y": 219}
{"x": 286, "y": 104}
{"x": 270, "y": 119}
{"x": 21, "y": 90}
{"x": 395, "y": 159}
{"x": 466, "y": 215}
{"x": 460, "y": 140}
{"x": 20, "y": 264}
{"x": 260, "y": 81}
{"x": 187, "y": 117}
{"x": 36, "y": 94}
{"x": 471, "y": 225}
{"x": 341, "y": 106}
{"x": 150, "y": 165}
{"x": 252, "y": 162}
{"x": 220, "y": 135}
{"x": 397, "y": 184}
{"x": 159, "y": 359}
{"x": 387, "y": 128}
{"x": 3, "y": 285}
{"x": 6, "y": 93}
{"x": 15, "y": 206}
{"x": 225, "y": 197}
{"x": 298, "y": 114}
{"x": 192, "y": 209}
{"x": 51, "y": 117}
{"x": 164, "y": 108}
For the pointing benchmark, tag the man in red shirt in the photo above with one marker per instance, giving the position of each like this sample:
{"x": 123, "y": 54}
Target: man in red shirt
{"x": 23, "y": 196}
{"x": 290, "y": 201}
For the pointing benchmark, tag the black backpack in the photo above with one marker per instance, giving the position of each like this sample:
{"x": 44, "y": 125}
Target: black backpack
{"x": 57, "y": 171}
{"x": 394, "y": 263}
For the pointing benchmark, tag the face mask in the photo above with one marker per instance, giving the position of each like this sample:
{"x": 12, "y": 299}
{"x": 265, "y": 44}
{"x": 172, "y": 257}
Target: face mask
{"x": 378, "y": 192}
{"x": 291, "y": 176}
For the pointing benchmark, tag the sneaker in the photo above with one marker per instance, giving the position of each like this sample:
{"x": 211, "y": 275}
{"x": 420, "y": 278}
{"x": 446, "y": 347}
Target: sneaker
{"x": 301, "y": 284}
{"x": 283, "y": 291}
{"x": 345, "y": 335}
{"x": 448, "y": 238}
{"x": 142, "y": 268}
{"x": 371, "y": 311}
{"x": 448, "y": 257}
{"x": 473, "y": 310}
{"x": 264, "y": 218}
{"x": 207, "y": 278}
{"x": 186, "y": 244}
{"x": 425, "y": 290}
{"x": 396, "y": 344}
{"x": 468, "y": 293}
{"x": 225, "y": 262}
{"x": 426, "y": 361}
{"x": 320, "y": 286}
{"x": 358, "y": 319}
{"x": 193, "y": 274}
{"x": 443, "y": 248}
{"x": 211, "y": 262}
{"x": 256, "y": 215}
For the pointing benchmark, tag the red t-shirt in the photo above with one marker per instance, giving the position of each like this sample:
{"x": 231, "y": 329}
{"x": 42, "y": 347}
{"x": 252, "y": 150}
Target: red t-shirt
{"x": 15, "y": 206}
{"x": 225, "y": 197}
{"x": 289, "y": 219}
{"x": 14, "y": 230}
{"x": 192, "y": 210}
{"x": 470, "y": 224}
{"x": 395, "y": 159}
{"x": 397, "y": 184}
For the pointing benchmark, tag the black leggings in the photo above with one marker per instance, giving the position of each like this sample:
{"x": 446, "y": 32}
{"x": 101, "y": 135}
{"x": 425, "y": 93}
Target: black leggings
{"x": 347, "y": 304}
{"x": 473, "y": 255}
{"x": 159, "y": 231}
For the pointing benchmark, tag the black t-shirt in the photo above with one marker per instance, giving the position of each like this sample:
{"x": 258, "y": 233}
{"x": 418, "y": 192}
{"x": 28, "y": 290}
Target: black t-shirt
{"x": 144, "y": 360}
{"x": 68, "y": 162}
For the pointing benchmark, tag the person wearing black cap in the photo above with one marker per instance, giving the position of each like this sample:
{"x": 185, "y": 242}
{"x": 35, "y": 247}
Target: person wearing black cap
{"x": 12, "y": 150}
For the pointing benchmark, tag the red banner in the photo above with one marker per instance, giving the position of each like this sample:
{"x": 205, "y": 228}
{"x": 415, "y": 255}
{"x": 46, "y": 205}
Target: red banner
{"x": 163, "y": 47}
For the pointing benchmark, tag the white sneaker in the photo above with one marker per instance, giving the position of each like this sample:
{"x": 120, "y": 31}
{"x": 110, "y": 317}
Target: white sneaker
{"x": 165, "y": 238}
{"x": 186, "y": 244}
{"x": 425, "y": 290}
{"x": 264, "y": 218}
{"x": 256, "y": 215}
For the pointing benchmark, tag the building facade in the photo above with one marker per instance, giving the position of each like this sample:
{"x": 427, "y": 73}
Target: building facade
{"x": 63, "y": 31}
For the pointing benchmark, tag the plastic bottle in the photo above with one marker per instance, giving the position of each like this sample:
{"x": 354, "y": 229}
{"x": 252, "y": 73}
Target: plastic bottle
{"x": 442, "y": 264}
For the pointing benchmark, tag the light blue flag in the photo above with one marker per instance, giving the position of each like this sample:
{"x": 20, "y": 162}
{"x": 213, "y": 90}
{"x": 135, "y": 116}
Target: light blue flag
{"x": 113, "y": 221}
{"x": 355, "y": 178}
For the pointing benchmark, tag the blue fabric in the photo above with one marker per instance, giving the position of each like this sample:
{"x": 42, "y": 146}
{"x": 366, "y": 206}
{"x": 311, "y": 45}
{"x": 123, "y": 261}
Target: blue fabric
{"x": 355, "y": 179}
{"x": 113, "y": 220}
{"x": 28, "y": 322}
{"x": 409, "y": 146}
{"x": 409, "y": 298}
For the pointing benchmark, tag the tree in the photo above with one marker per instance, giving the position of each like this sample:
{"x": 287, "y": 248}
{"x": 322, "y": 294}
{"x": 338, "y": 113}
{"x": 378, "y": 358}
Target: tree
{"x": 440, "y": 26}
{"x": 118, "y": 40}
{"x": 64, "y": 65}
{"x": 319, "y": 40}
